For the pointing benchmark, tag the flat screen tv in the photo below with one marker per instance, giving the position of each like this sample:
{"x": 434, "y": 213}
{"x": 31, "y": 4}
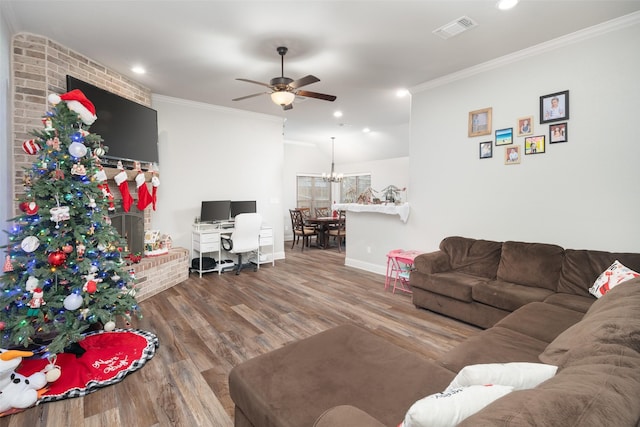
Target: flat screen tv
{"x": 215, "y": 211}
{"x": 247, "y": 206}
{"x": 129, "y": 129}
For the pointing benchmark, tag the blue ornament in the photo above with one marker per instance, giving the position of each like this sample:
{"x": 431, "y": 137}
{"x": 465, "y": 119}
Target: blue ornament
{"x": 77, "y": 137}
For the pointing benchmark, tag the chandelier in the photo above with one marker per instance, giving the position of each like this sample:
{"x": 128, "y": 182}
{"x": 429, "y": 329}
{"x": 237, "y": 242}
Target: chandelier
{"x": 333, "y": 176}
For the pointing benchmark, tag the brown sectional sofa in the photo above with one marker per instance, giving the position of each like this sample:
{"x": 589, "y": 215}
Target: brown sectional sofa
{"x": 349, "y": 376}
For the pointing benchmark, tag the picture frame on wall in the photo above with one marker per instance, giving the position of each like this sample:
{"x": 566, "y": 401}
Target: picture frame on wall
{"x": 525, "y": 126}
{"x": 512, "y": 155}
{"x": 554, "y": 107}
{"x": 486, "y": 150}
{"x": 534, "y": 145}
{"x": 504, "y": 136}
{"x": 480, "y": 122}
{"x": 558, "y": 133}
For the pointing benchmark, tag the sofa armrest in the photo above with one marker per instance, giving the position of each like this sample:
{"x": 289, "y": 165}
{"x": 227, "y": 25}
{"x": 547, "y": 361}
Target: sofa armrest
{"x": 345, "y": 415}
{"x": 432, "y": 262}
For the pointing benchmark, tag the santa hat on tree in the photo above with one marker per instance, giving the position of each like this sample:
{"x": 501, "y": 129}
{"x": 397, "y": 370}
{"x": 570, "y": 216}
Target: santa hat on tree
{"x": 78, "y": 103}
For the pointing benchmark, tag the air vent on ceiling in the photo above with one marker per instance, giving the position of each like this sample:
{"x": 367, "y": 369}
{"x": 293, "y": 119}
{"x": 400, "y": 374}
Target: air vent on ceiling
{"x": 456, "y": 27}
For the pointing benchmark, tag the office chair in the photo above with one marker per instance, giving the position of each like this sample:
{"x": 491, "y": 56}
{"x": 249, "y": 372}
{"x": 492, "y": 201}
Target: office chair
{"x": 245, "y": 237}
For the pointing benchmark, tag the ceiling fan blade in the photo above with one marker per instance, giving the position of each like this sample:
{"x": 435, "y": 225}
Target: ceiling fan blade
{"x": 250, "y": 96}
{"x": 254, "y": 82}
{"x": 316, "y": 95}
{"x": 307, "y": 80}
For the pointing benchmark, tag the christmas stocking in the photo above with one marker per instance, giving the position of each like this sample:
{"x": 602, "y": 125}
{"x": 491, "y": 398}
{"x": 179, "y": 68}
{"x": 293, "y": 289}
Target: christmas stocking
{"x": 121, "y": 181}
{"x": 155, "y": 182}
{"x": 101, "y": 177}
{"x": 144, "y": 198}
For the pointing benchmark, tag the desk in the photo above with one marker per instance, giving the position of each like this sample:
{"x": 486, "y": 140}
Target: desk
{"x": 324, "y": 222}
{"x": 205, "y": 238}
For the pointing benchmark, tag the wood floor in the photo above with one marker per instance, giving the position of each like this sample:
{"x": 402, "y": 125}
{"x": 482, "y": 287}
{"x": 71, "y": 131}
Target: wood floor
{"x": 207, "y": 325}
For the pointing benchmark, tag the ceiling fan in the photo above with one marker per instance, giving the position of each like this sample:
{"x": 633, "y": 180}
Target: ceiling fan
{"x": 284, "y": 89}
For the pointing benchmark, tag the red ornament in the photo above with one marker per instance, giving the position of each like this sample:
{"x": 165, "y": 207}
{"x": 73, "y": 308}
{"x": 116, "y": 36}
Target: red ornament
{"x": 30, "y": 208}
{"x": 92, "y": 286}
{"x": 2, "y": 326}
{"x": 67, "y": 249}
{"x": 30, "y": 146}
{"x": 57, "y": 258}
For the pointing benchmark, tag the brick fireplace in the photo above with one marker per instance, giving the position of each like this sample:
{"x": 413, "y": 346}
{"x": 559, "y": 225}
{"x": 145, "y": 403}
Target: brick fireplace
{"x": 40, "y": 67}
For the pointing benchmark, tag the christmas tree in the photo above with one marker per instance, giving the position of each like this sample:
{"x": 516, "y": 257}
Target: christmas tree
{"x": 64, "y": 271}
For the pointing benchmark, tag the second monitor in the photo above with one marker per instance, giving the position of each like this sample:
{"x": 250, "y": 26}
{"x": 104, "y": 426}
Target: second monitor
{"x": 247, "y": 206}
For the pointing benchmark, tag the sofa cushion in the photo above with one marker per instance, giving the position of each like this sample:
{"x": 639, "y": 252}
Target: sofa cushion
{"x": 531, "y": 264}
{"x": 614, "y": 275}
{"x": 346, "y": 365}
{"x": 449, "y": 408}
{"x": 541, "y": 321}
{"x": 507, "y": 296}
{"x": 495, "y": 345}
{"x": 452, "y": 284}
{"x": 571, "y": 301}
{"x": 612, "y": 321}
{"x": 580, "y": 268}
{"x": 345, "y": 415}
{"x": 472, "y": 256}
{"x": 519, "y": 375}
{"x": 589, "y": 395}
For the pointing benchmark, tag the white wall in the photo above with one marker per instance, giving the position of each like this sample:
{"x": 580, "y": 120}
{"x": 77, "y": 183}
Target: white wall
{"x": 579, "y": 194}
{"x": 212, "y": 153}
{"x": 6, "y": 153}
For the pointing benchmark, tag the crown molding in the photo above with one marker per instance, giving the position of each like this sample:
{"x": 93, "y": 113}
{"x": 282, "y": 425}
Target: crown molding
{"x": 576, "y": 37}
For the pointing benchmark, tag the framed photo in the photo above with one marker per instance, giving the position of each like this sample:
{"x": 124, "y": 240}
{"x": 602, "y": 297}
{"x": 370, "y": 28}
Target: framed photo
{"x": 554, "y": 107}
{"x": 480, "y": 122}
{"x": 504, "y": 136}
{"x": 525, "y": 126}
{"x": 486, "y": 150}
{"x": 558, "y": 133}
{"x": 512, "y": 155}
{"x": 534, "y": 144}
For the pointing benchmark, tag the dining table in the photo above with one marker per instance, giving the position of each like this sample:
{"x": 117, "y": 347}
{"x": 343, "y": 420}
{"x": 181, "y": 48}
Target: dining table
{"x": 324, "y": 223}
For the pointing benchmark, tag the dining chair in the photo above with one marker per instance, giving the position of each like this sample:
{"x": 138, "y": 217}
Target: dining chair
{"x": 339, "y": 232}
{"x": 300, "y": 229}
{"x": 321, "y": 212}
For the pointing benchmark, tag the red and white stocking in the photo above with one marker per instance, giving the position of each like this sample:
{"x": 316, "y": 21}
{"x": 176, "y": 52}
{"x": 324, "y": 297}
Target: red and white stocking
{"x": 155, "y": 182}
{"x": 101, "y": 177}
{"x": 144, "y": 197}
{"x": 121, "y": 181}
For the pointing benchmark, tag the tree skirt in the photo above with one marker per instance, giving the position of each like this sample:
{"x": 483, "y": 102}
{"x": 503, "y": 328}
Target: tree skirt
{"x": 109, "y": 357}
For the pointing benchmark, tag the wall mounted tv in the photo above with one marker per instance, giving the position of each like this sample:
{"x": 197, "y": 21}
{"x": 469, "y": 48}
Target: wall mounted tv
{"x": 129, "y": 129}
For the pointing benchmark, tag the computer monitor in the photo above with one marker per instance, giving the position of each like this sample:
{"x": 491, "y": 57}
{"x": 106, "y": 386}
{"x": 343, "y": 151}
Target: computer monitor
{"x": 247, "y": 206}
{"x": 215, "y": 211}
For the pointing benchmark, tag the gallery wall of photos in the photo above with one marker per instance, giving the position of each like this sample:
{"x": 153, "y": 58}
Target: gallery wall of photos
{"x": 529, "y": 138}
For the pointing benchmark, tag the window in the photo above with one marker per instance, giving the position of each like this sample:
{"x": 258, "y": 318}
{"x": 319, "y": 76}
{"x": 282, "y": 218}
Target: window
{"x": 313, "y": 192}
{"x": 352, "y": 186}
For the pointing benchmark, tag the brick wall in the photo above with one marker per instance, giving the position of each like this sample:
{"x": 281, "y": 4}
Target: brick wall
{"x": 40, "y": 67}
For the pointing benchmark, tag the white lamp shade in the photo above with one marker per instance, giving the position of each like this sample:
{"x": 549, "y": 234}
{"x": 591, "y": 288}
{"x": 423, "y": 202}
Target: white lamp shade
{"x": 283, "y": 97}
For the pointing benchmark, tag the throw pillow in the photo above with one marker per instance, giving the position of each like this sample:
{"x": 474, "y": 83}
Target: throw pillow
{"x": 519, "y": 375}
{"x": 611, "y": 277}
{"x": 451, "y": 407}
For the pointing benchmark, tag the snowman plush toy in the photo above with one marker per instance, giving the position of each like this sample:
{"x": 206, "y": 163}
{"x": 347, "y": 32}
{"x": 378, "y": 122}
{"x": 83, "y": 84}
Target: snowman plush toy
{"x": 16, "y": 390}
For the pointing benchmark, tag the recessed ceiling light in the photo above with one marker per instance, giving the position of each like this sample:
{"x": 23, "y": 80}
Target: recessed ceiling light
{"x": 401, "y": 93}
{"x": 337, "y": 114}
{"x": 366, "y": 130}
{"x": 506, "y": 4}
{"x": 138, "y": 70}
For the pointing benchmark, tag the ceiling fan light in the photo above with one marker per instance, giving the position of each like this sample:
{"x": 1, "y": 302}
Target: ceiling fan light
{"x": 283, "y": 97}
{"x": 506, "y": 4}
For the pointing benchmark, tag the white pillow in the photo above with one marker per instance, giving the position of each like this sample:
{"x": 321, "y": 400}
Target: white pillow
{"x": 610, "y": 278}
{"x": 519, "y": 375}
{"x": 450, "y": 408}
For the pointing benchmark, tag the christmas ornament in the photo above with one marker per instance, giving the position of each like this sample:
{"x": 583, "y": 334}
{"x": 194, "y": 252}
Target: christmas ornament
{"x": 30, "y": 243}
{"x": 36, "y": 302}
{"x": 57, "y": 174}
{"x": 54, "y": 143}
{"x": 144, "y": 197}
{"x": 80, "y": 248}
{"x": 77, "y": 149}
{"x": 121, "y": 182}
{"x": 48, "y": 124}
{"x": 52, "y": 372}
{"x": 59, "y": 213}
{"x": 155, "y": 183}
{"x": 32, "y": 283}
{"x": 99, "y": 152}
{"x": 67, "y": 249}
{"x": 30, "y": 146}
{"x": 101, "y": 177}
{"x": 8, "y": 267}
{"x": 78, "y": 103}
{"x": 110, "y": 326}
{"x": 57, "y": 258}
{"x": 30, "y": 208}
{"x": 77, "y": 137}
{"x": 2, "y": 326}
{"x": 72, "y": 302}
